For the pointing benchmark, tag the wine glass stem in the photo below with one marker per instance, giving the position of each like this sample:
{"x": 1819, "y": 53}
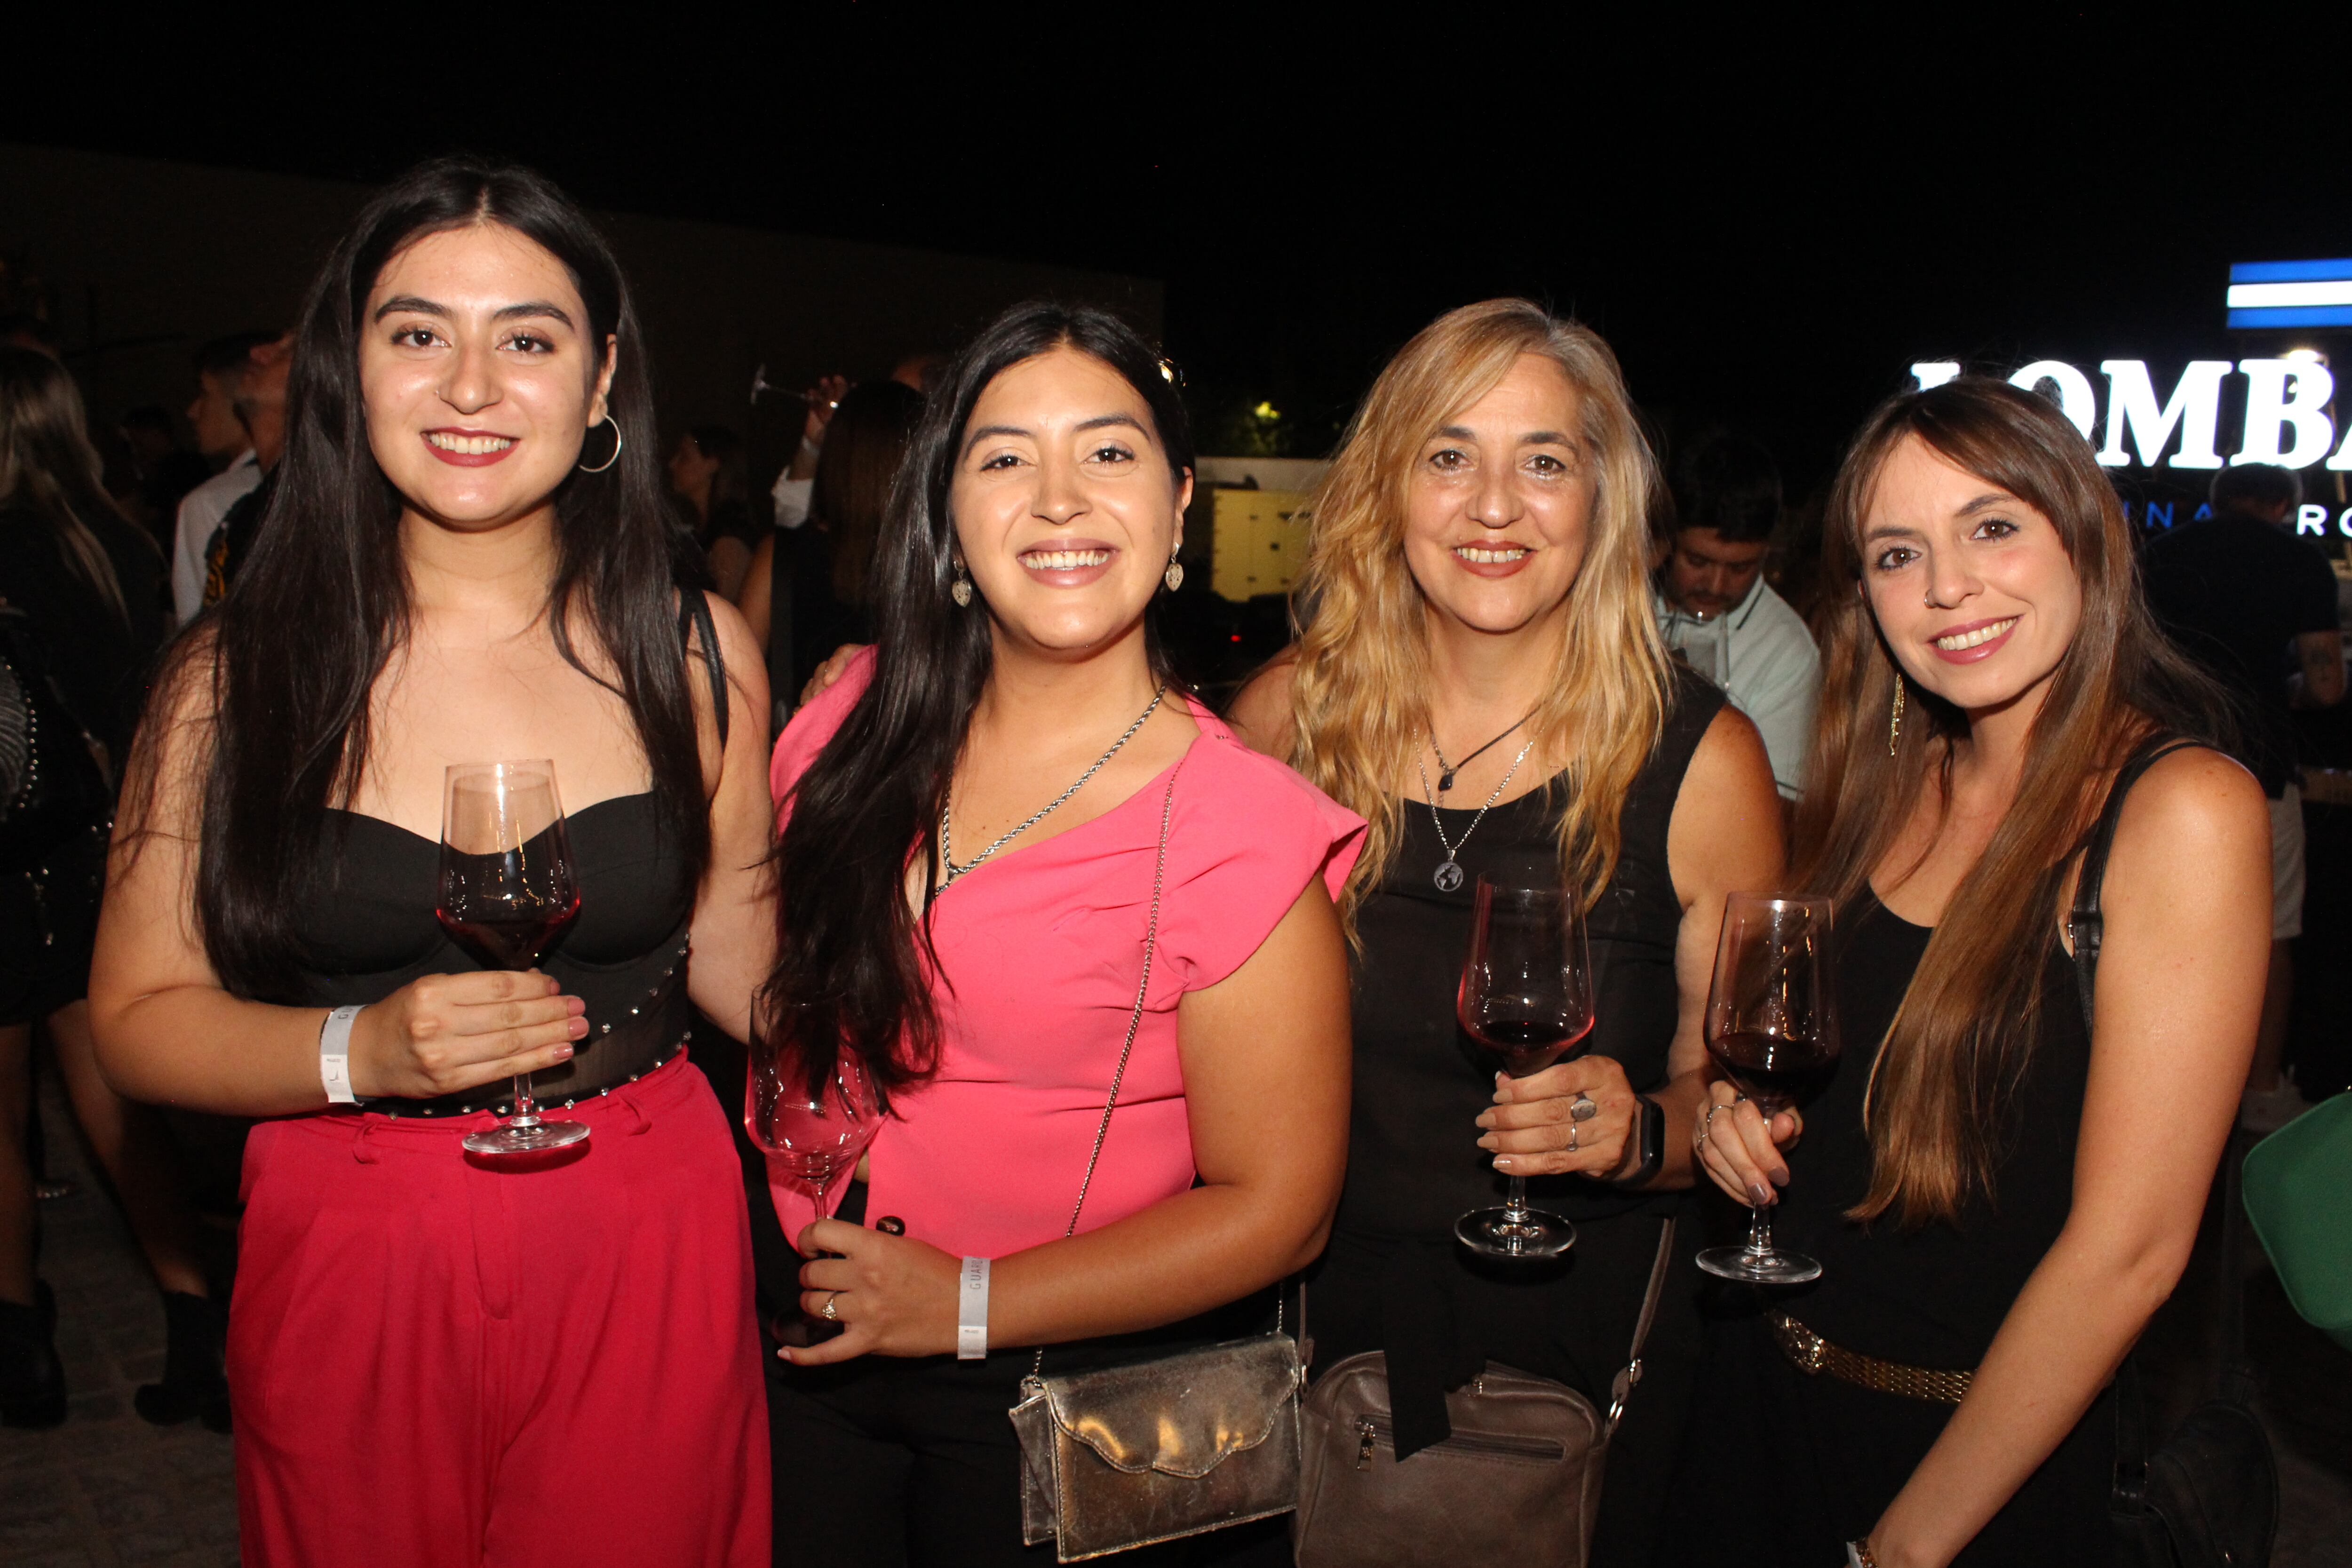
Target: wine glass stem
{"x": 1760, "y": 1231}
{"x": 526, "y": 1110}
{"x": 1514, "y": 1208}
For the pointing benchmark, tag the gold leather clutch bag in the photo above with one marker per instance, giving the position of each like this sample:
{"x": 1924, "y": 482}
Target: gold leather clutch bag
{"x": 1131, "y": 1454}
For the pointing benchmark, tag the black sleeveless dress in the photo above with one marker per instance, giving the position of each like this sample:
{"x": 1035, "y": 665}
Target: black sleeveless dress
{"x": 1788, "y": 1467}
{"x": 369, "y": 929}
{"x": 1393, "y": 1279}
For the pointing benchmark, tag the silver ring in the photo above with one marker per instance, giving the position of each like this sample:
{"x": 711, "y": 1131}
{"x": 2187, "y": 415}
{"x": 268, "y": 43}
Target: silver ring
{"x": 1571, "y": 1137}
{"x": 1707, "y": 1125}
{"x": 1583, "y": 1109}
{"x": 829, "y": 1312}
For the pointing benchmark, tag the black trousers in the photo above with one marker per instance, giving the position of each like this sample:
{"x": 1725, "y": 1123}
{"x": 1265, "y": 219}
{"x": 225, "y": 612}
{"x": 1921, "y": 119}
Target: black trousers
{"x": 886, "y": 1463}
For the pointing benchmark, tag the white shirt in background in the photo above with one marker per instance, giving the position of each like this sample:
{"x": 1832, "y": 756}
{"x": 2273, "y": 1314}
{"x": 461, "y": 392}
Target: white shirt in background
{"x": 201, "y": 511}
{"x": 1761, "y": 655}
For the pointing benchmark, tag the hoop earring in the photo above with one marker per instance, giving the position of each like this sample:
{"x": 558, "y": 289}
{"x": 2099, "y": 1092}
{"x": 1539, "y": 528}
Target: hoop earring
{"x": 1895, "y": 724}
{"x": 1174, "y": 575}
{"x": 615, "y": 457}
{"x": 960, "y": 590}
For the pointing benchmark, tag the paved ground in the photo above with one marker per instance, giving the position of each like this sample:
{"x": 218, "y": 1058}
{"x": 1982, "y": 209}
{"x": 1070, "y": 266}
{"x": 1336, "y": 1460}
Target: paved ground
{"x": 107, "y": 1488}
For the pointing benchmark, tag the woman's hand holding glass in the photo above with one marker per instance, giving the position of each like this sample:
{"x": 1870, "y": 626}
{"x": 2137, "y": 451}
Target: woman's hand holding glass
{"x": 892, "y": 1295}
{"x": 445, "y": 1033}
{"x": 1529, "y": 1128}
{"x": 1739, "y": 1149}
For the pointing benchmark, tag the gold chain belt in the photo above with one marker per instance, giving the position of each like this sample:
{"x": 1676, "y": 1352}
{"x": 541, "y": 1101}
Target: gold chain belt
{"x": 1812, "y": 1354}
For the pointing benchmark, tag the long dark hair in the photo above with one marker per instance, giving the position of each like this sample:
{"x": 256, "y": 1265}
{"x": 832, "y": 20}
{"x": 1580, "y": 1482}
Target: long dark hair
{"x": 1960, "y": 1044}
{"x": 50, "y": 472}
{"x": 294, "y": 649}
{"x": 863, "y": 446}
{"x": 848, "y": 975}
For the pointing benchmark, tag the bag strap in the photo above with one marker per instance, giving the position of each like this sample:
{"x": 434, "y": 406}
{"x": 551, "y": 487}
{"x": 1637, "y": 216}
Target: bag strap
{"x": 2084, "y": 923}
{"x": 1134, "y": 1023}
{"x": 1620, "y": 1387}
{"x": 694, "y": 614}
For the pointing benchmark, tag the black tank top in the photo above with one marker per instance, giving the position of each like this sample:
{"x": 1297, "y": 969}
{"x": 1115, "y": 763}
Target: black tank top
{"x": 1419, "y": 1082}
{"x": 369, "y": 929}
{"x": 1934, "y": 1295}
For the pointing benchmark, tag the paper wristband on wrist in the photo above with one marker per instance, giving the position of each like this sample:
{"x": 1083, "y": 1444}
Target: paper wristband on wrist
{"x": 971, "y": 1311}
{"x": 335, "y": 1056}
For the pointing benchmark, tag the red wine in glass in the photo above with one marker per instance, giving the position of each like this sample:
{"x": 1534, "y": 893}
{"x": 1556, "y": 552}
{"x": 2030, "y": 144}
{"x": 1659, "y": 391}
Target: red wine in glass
{"x": 1527, "y": 1000}
{"x": 509, "y": 892}
{"x": 1771, "y": 1027}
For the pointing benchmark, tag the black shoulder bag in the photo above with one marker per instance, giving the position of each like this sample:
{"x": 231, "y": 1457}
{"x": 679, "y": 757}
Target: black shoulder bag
{"x": 2209, "y": 1497}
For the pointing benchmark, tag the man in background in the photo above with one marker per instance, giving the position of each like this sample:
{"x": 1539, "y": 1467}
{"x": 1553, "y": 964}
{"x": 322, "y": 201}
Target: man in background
{"x": 1716, "y": 609}
{"x": 2255, "y": 607}
{"x": 222, "y": 366}
{"x": 261, "y": 405}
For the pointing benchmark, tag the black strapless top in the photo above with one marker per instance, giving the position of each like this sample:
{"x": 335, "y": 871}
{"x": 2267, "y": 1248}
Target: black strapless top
{"x": 369, "y": 929}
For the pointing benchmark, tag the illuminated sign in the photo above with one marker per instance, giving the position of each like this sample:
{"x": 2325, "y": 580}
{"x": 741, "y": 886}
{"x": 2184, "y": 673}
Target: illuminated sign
{"x": 2291, "y": 294}
{"x": 2287, "y": 419}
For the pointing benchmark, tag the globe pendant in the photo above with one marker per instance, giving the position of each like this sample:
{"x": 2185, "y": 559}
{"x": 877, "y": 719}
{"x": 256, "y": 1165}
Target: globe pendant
{"x": 1448, "y": 878}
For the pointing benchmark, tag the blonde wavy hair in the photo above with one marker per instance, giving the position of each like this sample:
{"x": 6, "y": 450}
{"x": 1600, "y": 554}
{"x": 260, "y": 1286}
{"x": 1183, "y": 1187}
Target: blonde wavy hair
{"x": 1360, "y": 690}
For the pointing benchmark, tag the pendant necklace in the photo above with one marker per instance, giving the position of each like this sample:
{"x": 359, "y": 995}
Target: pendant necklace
{"x": 1449, "y": 870}
{"x": 947, "y": 840}
{"x": 1445, "y": 770}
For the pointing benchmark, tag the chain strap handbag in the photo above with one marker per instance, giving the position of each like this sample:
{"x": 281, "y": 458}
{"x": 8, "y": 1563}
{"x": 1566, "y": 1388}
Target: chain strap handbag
{"x": 1518, "y": 1481}
{"x": 1128, "y": 1456}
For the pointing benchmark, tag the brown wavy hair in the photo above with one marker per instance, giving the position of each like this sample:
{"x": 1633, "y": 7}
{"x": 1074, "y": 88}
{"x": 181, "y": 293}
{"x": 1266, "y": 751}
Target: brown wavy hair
{"x": 1962, "y": 1040}
{"x": 1360, "y": 692}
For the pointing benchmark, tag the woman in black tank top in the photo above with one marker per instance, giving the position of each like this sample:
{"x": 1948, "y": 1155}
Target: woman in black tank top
{"x": 1999, "y": 1193}
{"x": 1480, "y": 677}
{"x": 435, "y": 1356}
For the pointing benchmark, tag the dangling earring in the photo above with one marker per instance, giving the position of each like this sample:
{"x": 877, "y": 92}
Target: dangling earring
{"x": 615, "y": 457}
{"x": 1174, "y": 575}
{"x": 1895, "y": 724}
{"x": 960, "y": 590}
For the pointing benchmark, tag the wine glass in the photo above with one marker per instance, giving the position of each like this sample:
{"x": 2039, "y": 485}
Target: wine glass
{"x": 508, "y": 894}
{"x": 1771, "y": 1027}
{"x": 1527, "y": 999}
{"x": 812, "y": 1138}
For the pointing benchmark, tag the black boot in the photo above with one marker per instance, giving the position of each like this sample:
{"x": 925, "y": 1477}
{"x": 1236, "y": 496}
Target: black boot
{"x": 193, "y": 1384}
{"x": 32, "y": 1380}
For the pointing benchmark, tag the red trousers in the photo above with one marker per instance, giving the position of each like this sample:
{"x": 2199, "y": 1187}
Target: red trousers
{"x": 438, "y": 1361}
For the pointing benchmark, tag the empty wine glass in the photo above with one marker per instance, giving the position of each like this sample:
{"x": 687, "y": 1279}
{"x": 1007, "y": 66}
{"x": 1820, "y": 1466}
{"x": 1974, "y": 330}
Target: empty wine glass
{"x": 1527, "y": 999}
{"x": 508, "y": 894}
{"x": 1771, "y": 1027}
{"x": 812, "y": 1138}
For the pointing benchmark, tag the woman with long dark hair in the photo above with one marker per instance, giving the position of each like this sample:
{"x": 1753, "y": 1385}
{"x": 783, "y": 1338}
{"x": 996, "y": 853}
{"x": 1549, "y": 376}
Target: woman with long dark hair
{"x": 985, "y": 823}
{"x": 1479, "y": 674}
{"x": 709, "y": 475}
{"x": 437, "y": 1358}
{"x": 81, "y": 618}
{"x": 1999, "y": 1190}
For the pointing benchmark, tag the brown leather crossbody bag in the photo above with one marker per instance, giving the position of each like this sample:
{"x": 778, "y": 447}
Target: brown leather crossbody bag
{"x": 1518, "y": 1481}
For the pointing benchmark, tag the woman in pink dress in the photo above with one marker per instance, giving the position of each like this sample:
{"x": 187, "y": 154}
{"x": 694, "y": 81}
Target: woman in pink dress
{"x": 972, "y": 829}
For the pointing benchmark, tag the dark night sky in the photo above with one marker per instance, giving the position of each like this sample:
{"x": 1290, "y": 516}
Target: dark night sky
{"x": 1770, "y": 226}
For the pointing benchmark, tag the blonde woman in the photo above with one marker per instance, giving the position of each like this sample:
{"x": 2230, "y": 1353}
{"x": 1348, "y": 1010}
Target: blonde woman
{"x": 1479, "y": 677}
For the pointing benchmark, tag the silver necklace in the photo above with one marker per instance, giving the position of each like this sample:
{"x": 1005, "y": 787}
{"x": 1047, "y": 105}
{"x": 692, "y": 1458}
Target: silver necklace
{"x": 1445, "y": 770}
{"x": 947, "y": 839}
{"x": 1449, "y": 872}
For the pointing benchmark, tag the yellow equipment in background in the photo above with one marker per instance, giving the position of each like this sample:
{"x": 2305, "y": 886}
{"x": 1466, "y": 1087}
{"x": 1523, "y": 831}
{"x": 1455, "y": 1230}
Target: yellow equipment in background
{"x": 1256, "y": 548}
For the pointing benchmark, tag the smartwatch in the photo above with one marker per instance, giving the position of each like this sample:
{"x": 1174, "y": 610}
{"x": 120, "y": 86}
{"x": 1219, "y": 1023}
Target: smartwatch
{"x": 1650, "y": 1131}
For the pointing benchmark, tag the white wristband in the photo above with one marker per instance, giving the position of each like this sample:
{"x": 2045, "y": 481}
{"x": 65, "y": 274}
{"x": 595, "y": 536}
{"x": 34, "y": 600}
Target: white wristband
{"x": 335, "y": 1056}
{"x": 971, "y": 1311}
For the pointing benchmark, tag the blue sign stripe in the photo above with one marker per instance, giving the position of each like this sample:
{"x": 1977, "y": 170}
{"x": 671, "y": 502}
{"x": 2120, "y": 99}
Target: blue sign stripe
{"x": 2293, "y": 316}
{"x": 2289, "y": 272}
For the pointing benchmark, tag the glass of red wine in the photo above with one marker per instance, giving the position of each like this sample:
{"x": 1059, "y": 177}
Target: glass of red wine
{"x": 1527, "y": 1000}
{"x": 508, "y": 894}
{"x": 812, "y": 1138}
{"x": 1771, "y": 1027}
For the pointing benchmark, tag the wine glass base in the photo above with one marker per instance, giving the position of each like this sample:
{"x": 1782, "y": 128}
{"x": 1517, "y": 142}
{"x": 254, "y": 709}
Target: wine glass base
{"x": 1758, "y": 1267}
{"x": 1503, "y": 1234}
{"x": 511, "y": 1139}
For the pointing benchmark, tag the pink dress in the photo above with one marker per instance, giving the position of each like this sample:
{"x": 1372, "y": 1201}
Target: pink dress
{"x": 1040, "y": 949}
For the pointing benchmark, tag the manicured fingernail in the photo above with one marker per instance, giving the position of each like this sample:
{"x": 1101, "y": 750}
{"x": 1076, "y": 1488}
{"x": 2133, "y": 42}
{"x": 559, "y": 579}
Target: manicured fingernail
{"x": 578, "y": 1028}
{"x": 1759, "y": 1194}
{"x": 1780, "y": 1177}
{"x": 1502, "y": 1162}
{"x": 562, "y": 1053}
{"x": 578, "y": 1009}
{"x": 1485, "y": 1118}
{"x": 1488, "y": 1142}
